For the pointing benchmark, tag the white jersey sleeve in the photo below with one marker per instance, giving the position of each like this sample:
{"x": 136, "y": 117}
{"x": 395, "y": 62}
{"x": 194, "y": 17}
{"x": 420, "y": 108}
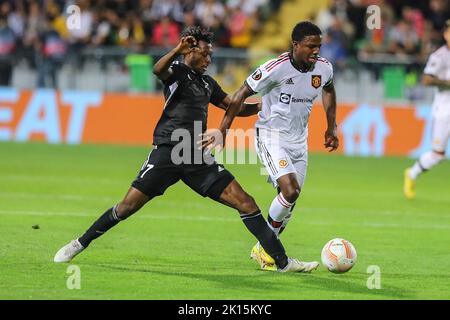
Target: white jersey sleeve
{"x": 434, "y": 65}
{"x": 264, "y": 78}
{"x": 329, "y": 80}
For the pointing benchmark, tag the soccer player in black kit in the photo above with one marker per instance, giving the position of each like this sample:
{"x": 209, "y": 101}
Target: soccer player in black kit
{"x": 176, "y": 155}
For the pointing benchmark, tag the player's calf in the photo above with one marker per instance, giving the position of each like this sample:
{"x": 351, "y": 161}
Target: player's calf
{"x": 234, "y": 196}
{"x": 427, "y": 161}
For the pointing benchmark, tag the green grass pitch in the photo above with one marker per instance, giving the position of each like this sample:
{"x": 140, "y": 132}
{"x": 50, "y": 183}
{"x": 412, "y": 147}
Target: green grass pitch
{"x": 183, "y": 246}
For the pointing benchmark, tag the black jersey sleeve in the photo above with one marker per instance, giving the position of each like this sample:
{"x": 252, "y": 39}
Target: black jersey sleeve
{"x": 178, "y": 73}
{"x": 217, "y": 94}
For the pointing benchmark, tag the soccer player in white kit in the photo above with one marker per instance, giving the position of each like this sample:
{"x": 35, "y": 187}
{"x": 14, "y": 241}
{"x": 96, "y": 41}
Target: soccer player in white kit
{"x": 288, "y": 86}
{"x": 436, "y": 73}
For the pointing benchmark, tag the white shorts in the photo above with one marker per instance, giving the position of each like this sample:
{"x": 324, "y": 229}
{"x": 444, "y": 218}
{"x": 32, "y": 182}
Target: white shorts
{"x": 280, "y": 159}
{"x": 440, "y": 133}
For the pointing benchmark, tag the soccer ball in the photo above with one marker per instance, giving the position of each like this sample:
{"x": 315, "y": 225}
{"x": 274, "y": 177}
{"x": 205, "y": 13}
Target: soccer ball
{"x": 338, "y": 255}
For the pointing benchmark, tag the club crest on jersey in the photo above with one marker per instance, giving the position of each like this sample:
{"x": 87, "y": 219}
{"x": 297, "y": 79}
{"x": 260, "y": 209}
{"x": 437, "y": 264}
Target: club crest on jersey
{"x": 257, "y": 74}
{"x": 316, "y": 80}
{"x": 285, "y": 98}
{"x": 283, "y": 163}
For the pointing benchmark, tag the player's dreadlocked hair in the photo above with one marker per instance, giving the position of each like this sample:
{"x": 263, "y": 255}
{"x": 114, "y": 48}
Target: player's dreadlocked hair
{"x": 198, "y": 33}
{"x": 304, "y": 29}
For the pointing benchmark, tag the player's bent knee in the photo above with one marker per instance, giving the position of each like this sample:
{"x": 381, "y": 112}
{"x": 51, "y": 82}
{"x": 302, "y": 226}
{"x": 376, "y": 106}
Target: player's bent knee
{"x": 291, "y": 194}
{"x": 247, "y": 205}
{"x": 438, "y": 155}
{"x": 126, "y": 209}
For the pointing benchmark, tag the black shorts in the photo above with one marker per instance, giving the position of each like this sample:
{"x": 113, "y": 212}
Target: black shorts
{"x": 159, "y": 172}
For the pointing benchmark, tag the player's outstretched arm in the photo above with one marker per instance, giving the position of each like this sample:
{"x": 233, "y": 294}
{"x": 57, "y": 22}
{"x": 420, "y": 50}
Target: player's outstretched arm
{"x": 247, "y": 108}
{"x": 210, "y": 138}
{"x": 329, "y": 104}
{"x": 162, "y": 68}
{"x": 429, "y": 80}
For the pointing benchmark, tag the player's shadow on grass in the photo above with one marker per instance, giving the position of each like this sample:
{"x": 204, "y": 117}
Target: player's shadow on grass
{"x": 277, "y": 282}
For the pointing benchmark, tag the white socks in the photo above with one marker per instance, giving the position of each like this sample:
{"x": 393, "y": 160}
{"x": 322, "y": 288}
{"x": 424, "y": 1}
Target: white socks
{"x": 425, "y": 162}
{"x": 279, "y": 212}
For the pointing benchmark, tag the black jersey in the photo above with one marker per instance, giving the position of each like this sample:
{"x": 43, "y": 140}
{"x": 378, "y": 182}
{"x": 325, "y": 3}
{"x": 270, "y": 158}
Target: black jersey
{"x": 187, "y": 95}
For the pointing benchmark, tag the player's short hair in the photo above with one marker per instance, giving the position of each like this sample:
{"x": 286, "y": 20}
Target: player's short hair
{"x": 199, "y": 33}
{"x": 304, "y": 29}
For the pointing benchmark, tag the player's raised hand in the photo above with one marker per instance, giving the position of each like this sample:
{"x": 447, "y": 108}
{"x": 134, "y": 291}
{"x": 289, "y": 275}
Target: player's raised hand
{"x": 186, "y": 44}
{"x": 212, "y": 139}
{"x": 331, "y": 140}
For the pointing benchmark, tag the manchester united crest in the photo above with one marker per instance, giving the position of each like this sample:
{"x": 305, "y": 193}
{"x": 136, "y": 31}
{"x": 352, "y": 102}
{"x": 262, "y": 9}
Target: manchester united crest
{"x": 316, "y": 80}
{"x": 283, "y": 163}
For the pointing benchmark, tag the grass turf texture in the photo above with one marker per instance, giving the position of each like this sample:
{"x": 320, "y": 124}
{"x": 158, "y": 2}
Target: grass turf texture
{"x": 183, "y": 246}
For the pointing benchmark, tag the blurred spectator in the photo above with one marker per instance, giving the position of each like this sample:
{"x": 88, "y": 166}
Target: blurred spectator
{"x": 166, "y": 33}
{"x": 190, "y": 20}
{"x": 7, "y": 48}
{"x": 338, "y": 8}
{"x": 240, "y": 28}
{"x": 334, "y": 51}
{"x": 439, "y": 12}
{"x": 357, "y": 13}
{"x": 335, "y": 44}
{"x": 16, "y": 19}
{"x": 120, "y": 7}
{"x": 101, "y": 28}
{"x": 167, "y": 8}
{"x": 145, "y": 13}
{"x": 58, "y": 20}
{"x": 415, "y": 17}
{"x": 79, "y": 37}
{"x": 275, "y": 5}
{"x": 131, "y": 32}
{"x": 253, "y": 9}
{"x": 207, "y": 11}
{"x": 51, "y": 50}
{"x": 377, "y": 40}
{"x": 35, "y": 23}
{"x": 188, "y": 5}
{"x": 429, "y": 43}
{"x": 249, "y": 7}
{"x": 403, "y": 39}
{"x": 337, "y": 13}
{"x": 221, "y": 34}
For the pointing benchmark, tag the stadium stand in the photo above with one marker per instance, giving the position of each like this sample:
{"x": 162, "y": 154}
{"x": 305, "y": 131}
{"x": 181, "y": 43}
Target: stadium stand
{"x": 38, "y": 50}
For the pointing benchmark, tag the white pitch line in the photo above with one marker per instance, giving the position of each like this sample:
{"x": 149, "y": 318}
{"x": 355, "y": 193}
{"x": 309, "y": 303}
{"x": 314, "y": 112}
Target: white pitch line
{"x": 376, "y": 225}
{"x": 93, "y": 215}
{"x": 54, "y": 196}
{"x": 375, "y": 212}
{"x": 61, "y": 178}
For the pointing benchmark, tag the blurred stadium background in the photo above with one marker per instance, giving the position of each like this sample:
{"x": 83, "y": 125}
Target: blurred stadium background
{"x": 38, "y": 50}
{"x": 112, "y": 50}
{"x": 74, "y": 90}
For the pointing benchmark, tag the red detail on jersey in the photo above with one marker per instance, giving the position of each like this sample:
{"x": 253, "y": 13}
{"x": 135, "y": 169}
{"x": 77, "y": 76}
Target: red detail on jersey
{"x": 280, "y": 57}
{"x": 277, "y": 63}
{"x": 323, "y": 60}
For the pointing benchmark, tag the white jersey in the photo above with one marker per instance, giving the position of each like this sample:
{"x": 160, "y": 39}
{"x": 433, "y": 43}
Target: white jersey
{"x": 438, "y": 65}
{"x": 288, "y": 95}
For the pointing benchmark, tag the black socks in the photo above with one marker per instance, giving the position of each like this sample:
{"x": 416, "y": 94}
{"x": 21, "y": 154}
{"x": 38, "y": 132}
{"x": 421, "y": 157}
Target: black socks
{"x": 256, "y": 224}
{"x": 108, "y": 220}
